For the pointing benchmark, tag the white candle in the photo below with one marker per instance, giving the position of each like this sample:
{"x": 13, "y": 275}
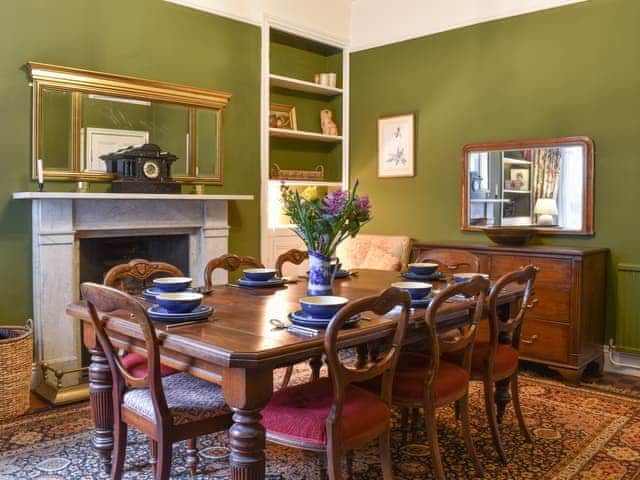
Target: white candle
{"x": 40, "y": 172}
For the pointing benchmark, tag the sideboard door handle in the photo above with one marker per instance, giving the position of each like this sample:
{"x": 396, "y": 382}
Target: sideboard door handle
{"x": 533, "y": 339}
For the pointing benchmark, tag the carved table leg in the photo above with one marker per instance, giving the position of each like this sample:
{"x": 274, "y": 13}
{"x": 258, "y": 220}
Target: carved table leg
{"x": 316, "y": 364}
{"x": 502, "y": 397}
{"x": 247, "y": 392}
{"x": 101, "y": 405}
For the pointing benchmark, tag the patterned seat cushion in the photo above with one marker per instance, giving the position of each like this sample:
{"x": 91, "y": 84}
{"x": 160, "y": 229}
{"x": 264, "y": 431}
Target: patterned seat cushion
{"x": 300, "y": 412}
{"x": 189, "y": 399}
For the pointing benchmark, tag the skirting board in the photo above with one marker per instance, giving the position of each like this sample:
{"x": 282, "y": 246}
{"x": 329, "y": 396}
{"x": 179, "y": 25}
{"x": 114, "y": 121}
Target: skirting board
{"x": 631, "y": 362}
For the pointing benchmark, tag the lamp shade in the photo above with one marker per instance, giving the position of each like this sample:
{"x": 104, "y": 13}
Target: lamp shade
{"x": 545, "y": 209}
{"x": 546, "y": 206}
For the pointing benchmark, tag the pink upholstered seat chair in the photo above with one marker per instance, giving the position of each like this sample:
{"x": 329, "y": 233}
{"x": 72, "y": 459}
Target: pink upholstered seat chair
{"x": 332, "y": 415}
{"x": 379, "y": 252}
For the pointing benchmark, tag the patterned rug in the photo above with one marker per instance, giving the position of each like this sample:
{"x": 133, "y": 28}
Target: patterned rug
{"x": 579, "y": 433}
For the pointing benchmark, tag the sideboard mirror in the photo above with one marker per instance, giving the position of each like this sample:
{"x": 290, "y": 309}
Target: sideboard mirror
{"x": 546, "y": 184}
{"x": 80, "y": 115}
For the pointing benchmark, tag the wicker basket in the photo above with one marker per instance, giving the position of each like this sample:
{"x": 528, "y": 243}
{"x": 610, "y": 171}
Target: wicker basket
{"x": 16, "y": 357}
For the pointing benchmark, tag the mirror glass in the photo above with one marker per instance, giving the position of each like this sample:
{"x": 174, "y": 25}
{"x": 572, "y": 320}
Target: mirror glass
{"x": 81, "y": 115}
{"x": 545, "y": 186}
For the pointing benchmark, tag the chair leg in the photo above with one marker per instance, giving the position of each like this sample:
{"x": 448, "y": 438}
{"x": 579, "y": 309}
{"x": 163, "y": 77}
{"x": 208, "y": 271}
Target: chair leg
{"x": 192, "y": 455}
{"x": 384, "y": 443}
{"x": 154, "y": 455}
{"x": 322, "y": 463}
{"x": 119, "y": 450}
{"x": 432, "y": 435}
{"x": 349, "y": 464}
{"x": 463, "y": 410}
{"x": 515, "y": 398}
{"x": 163, "y": 470}
{"x": 287, "y": 376}
{"x": 334, "y": 461}
{"x": 493, "y": 421}
{"x": 415, "y": 418}
{"x": 404, "y": 423}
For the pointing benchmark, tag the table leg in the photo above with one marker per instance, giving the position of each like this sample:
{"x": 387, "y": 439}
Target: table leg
{"x": 502, "y": 397}
{"x": 100, "y": 389}
{"x": 247, "y": 391}
{"x": 316, "y": 364}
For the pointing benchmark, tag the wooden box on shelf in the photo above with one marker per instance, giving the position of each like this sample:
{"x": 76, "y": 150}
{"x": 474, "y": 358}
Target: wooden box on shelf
{"x": 279, "y": 174}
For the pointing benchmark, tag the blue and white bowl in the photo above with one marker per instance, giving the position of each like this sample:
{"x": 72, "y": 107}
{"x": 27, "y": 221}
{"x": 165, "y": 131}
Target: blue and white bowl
{"x": 463, "y": 277}
{"x": 179, "y": 302}
{"x": 423, "y": 268}
{"x": 417, "y": 290}
{"x": 259, "y": 274}
{"x": 172, "y": 284}
{"x": 322, "y": 306}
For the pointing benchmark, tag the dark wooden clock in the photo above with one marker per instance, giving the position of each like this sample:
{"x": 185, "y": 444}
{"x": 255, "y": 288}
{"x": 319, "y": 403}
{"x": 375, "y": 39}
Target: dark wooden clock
{"x": 141, "y": 169}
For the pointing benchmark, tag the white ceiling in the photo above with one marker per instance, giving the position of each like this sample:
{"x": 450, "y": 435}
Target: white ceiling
{"x": 365, "y": 24}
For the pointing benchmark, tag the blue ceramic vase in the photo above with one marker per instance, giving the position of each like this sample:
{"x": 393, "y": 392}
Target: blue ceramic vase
{"x": 322, "y": 269}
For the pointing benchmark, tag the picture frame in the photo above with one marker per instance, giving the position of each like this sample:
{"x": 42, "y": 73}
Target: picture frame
{"x": 519, "y": 179}
{"x": 282, "y": 116}
{"x": 396, "y": 146}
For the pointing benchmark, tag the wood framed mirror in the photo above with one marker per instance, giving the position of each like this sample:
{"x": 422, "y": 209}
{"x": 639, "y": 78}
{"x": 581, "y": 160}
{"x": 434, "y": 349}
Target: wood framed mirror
{"x": 547, "y": 184}
{"x": 79, "y": 115}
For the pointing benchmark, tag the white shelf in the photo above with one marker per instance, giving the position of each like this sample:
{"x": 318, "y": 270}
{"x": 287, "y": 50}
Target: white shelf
{"x": 302, "y": 85}
{"x": 516, "y": 161}
{"x": 489, "y": 200}
{"x": 316, "y": 183}
{"x": 528, "y": 192}
{"x": 302, "y": 135}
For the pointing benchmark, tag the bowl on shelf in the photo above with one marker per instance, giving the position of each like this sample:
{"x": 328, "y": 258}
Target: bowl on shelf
{"x": 172, "y": 284}
{"x": 417, "y": 290}
{"x": 423, "y": 268}
{"x": 463, "y": 277}
{"x": 510, "y": 235}
{"x": 179, "y": 302}
{"x": 322, "y": 306}
{"x": 259, "y": 274}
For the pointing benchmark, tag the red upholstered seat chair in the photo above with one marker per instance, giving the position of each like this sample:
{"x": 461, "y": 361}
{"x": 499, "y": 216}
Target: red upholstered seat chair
{"x": 167, "y": 410}
{"x": 425, "y": 380}
{"x": 496, "y": 360}
{"x": 331, "y": 415}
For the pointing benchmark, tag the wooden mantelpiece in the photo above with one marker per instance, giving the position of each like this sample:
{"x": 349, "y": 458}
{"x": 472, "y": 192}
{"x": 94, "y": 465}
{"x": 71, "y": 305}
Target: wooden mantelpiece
{"x": 564, "y": 327}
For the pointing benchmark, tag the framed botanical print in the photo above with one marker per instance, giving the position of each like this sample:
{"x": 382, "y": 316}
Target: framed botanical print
{"x": 396, "y": 155}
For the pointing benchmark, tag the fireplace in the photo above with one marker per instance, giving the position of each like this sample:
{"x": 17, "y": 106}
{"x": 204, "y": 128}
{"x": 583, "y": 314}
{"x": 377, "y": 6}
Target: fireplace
{"x": 70, "y": 228}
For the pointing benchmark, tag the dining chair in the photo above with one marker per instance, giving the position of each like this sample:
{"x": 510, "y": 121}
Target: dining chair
{"x": 452, "y": 261}
{"x": 228, "y": 262}
{"x": 423, "y": 379}
{"x": 166, "y": 409}
{"x": 380, "y": 252}
{"x": 296, "y": 257}
{"x": 133, "y": 277}
{"x": 496, "y": 360}
{"x": 332, "y": 415}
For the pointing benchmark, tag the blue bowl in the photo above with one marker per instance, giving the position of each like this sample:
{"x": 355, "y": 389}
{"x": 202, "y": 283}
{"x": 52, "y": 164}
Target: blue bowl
{"x": 423, "y": 268}
{"x": 463, "y": 277}
{"x": 259, "y": 274}
{"x": 179, "y": 302}
{"x": 417, "y": 290}
{"x": 172, "y": 284}
{"x": 322, "y": 306}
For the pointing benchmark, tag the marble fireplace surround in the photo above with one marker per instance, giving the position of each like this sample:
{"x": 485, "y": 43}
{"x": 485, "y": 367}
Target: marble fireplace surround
{"x": 61, "y": 220}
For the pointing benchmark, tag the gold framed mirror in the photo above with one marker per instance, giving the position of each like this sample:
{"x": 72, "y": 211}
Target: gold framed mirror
{"x": 544, "y": 184}
{"x": 79, "y": 115}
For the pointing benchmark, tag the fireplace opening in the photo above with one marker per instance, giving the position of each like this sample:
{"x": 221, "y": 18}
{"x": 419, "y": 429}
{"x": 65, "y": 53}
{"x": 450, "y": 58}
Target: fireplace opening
{"x": 99, "y": 255}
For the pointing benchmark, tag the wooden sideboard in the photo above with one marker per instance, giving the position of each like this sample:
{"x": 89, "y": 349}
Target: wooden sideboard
{"x": 564, "y": 328}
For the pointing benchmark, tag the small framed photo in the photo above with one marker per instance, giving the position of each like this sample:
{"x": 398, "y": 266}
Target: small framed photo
{"x": 282, "y": 116}
{"x": 519, "y": 178}
{"x": 396, "y": 155}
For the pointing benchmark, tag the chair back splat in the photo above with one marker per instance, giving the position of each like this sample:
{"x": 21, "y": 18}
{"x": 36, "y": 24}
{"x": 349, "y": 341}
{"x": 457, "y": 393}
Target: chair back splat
{"x": 228, "y": 262}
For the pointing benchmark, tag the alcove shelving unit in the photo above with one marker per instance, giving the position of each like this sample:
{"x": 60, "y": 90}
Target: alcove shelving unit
{"x": 290, "y": 60}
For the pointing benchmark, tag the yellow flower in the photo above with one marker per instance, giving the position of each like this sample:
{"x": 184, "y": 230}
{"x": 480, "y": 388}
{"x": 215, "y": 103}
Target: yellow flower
{"x": 310, "y": 194}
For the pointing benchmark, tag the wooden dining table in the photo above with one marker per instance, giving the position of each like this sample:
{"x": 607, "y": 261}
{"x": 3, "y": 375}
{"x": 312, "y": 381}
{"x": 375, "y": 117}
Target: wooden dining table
{"x": 238, "y": 347}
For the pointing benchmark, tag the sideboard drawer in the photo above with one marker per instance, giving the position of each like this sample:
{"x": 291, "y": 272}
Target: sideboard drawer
{"x": 553, "y": 271}
{"x": 549, "y": 304}
{"x": 501, "y": 264}
{"x": 545, "y": 340}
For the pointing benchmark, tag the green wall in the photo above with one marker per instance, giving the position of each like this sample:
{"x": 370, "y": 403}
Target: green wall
{"x": 573, "y": 70}
{"x": 144, "y": 38}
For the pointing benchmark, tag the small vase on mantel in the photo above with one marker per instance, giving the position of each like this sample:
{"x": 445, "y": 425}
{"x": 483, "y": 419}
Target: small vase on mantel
{"x": 322, "y": 270}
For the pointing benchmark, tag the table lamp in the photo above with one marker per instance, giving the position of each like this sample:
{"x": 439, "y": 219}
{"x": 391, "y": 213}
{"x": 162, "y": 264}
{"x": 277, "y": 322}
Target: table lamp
{"x": 545, "y": 209}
